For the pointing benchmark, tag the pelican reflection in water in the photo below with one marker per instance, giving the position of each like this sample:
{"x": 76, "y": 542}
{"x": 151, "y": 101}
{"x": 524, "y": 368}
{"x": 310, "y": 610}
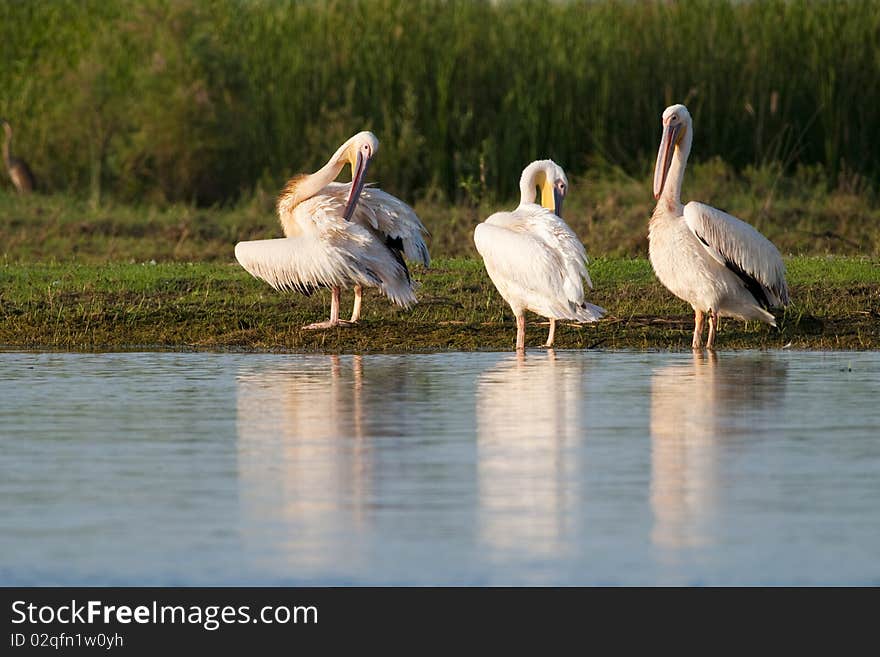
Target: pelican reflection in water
{"x": 702, "y": 410}
{"x": 528, "y": 422}
{"x": 304, "y": 467}
{"x": 327, "y": 446}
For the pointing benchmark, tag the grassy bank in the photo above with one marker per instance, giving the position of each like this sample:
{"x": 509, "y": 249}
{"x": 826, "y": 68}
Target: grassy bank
{"x": 76, "y": 277}
{"x": 836, "y": 305}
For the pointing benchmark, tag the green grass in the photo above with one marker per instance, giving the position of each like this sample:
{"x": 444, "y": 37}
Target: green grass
{"x": 836, "y": 305}
{"x": 157, "y": 101}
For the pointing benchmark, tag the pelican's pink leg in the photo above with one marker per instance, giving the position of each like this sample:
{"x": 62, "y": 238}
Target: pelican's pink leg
{"x": 356, "y": 309}
{"x": 713, "y": 320}
{"x": 552, "y": 333}
{"x": 334, "y": 305}
{"x": 698, "y": 330}
{"x": 520, "y": 333}
{"x": 334, "y": 320}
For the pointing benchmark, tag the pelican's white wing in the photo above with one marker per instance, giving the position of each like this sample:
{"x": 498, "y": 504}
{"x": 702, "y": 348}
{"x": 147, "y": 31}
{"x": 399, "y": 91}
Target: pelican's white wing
{"x": 559, "y": 237}
{"x": 534, "y": 265}
{"x": 389, "y": 216}
{"x": 742, "y": 249}
{"x": 397, "y": 220}
{"x": 343, "y": 257}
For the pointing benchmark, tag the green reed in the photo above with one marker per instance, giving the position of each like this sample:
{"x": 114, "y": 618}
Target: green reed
{"x": 185, "y": 100}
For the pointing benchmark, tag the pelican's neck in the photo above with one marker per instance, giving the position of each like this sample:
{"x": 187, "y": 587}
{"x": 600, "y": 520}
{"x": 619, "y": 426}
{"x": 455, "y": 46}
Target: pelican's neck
{"x": 304, "y": 186}
{"x": 532, "y": 177}
{"x": 313, "y": 183}
{"x": 670, "y": 198}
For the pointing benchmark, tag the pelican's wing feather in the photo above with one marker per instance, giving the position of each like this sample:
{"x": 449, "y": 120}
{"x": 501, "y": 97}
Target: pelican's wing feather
{"x": 294, "y": 263}
{"x": 557, "y": 235}
{"x": 344, "y": 258}
{"x": 742, "y": 249}
{"x": 389, "y": 216}
{"x": 394, "y": 218}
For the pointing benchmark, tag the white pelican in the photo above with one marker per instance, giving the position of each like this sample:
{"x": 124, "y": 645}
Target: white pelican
{"x": 533, "y": 257}
{"x": 339, "y": 235}
{"x": 718, "y": 264}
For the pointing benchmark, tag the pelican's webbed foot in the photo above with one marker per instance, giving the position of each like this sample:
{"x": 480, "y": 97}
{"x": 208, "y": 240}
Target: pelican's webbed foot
{"x": 339, "y": 323}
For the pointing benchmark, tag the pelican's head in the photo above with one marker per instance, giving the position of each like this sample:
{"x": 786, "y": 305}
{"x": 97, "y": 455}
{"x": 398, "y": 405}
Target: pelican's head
{"x": 676, "y": 128}
{"x": 550, "y": 179}
{"x": 358, "y": 152}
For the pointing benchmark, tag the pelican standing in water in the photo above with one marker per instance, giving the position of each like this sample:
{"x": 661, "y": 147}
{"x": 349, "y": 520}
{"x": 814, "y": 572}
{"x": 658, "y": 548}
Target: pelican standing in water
{"x": 718, "y": 264}
{"x": 533, "y": 257}
{"x": 18, "y": 170}
{"x": 340, "y": 235}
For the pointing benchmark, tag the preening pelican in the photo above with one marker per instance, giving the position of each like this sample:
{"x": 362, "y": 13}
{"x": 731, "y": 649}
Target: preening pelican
{"x": 533, "y": 257}
{"x": 718, "y": 264}
{"x": 339, "y": 235}
{"x": 18, "y": 170}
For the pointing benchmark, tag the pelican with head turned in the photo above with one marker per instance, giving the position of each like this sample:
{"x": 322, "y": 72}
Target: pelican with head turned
{"x": 19, "y": 171}
{"x": 534, "y": 258}
{"x": 717, "y": 263}
{"x": 340, "y": 235}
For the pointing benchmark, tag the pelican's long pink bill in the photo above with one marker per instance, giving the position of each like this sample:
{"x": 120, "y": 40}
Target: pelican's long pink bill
{"x": 558, "y": 197}
{"x": 358, "y": 178}
{"x": 664, "y": 156}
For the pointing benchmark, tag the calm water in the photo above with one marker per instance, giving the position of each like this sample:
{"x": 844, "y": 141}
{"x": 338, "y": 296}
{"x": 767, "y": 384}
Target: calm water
{"x": 583, "y": 468}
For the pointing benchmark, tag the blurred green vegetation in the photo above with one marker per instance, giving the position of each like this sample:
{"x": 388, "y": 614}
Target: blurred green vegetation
{"x": 195, "y": 102}
{"x": 609, "y": 211}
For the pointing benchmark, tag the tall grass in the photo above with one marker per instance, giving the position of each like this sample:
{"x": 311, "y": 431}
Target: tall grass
{"x": 184, "y": 100}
